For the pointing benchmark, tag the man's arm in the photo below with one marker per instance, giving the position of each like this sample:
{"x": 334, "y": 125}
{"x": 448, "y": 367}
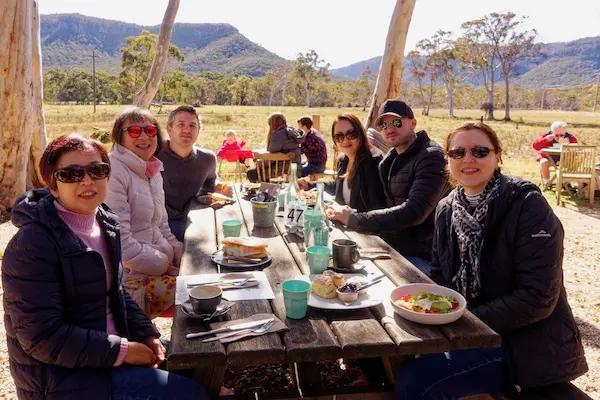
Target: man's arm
{"x": 425, "y": 193}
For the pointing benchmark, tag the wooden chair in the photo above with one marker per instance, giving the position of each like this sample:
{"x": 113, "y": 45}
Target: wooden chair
{"x": 577, "y": 164}
{"x": 271, "y": 165}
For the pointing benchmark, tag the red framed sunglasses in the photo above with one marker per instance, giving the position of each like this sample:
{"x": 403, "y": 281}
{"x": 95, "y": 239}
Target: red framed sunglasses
{"x": 135, "y": 131}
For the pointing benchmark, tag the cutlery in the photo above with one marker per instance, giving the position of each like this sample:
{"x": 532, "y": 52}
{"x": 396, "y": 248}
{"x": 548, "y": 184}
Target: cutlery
{"x": 235, "y": 327}
{"x": 373, "y": 250}
{"x": 261, "y": 329}
{"x": 236, "y": 282}
{"x": 375, "y": 256}
{"x": 221, "y": 310}
{"x": 372, "y": 282}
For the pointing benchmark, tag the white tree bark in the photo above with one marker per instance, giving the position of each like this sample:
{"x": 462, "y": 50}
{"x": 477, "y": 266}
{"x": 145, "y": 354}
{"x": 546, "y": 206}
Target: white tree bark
{"x": 22, "y": 129}
{"x": 144, "y": 96}
{"x": 390, "y": 71}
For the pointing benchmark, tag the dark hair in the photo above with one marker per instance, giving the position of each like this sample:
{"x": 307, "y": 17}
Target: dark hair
{"x": 276, "y": 121}
{"x": 135, "y": 114}
{"x": 184, "y": 108}
{"x": 486, "y": 129}
{"x": 306, "y": 121}
{"x": 62, "y": 145}
{"x": 364, "y": 147}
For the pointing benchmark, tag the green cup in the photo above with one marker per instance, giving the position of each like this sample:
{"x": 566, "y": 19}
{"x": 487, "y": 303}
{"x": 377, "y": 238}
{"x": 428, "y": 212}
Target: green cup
{"x": 232, "y": 228}
{"x": 318, "y": 259}
{"x": 295, "y": 298}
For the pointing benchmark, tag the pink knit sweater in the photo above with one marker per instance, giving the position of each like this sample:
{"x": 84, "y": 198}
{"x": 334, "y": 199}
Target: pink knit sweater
{"x": 87, "y": 228}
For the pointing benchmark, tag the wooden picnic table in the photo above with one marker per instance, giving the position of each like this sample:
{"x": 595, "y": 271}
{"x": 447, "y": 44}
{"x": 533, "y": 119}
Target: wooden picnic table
{"x": 323, "y": 334}
{"x": 552, "y": 152}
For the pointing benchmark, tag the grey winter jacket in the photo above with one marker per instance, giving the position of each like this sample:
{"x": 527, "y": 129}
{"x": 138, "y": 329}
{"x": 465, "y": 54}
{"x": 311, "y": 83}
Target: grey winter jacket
{"x": 287, "y": 140}
{"x": 522, "y": 295}
{"x": 55, "y": 305}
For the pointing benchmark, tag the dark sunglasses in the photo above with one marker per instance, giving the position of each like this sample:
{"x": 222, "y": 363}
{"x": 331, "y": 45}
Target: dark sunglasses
{"x": 350, "y": 135}
{"x": 396, "y": 123}
{"x": 76, "y": 173}
{"x": 135, "y": 131}
{"x": 477, "y": 152}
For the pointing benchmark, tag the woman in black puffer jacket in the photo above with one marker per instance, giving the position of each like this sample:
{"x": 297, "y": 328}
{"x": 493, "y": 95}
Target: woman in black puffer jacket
{"x": 357, "y": 184}
{"x": 72, "y": 332}
{"x": 498, "y": 242}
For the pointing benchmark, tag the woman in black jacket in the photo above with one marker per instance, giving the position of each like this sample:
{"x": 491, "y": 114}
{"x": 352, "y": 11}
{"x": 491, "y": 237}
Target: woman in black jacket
{"x": 357, "y": 184}
{"x": 72, "y": 332}
{"x": 498, "y": 242}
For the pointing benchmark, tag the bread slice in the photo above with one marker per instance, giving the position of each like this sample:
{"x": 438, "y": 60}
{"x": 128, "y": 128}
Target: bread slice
{"x": 244, "y": 247}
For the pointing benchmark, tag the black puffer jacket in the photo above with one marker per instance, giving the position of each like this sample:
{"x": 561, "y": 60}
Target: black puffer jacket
{"x": 413, "y": 182}
{"x": 366, "y": 193}
{"x": 55, "y": 305}
{"x": 522, "y": 294}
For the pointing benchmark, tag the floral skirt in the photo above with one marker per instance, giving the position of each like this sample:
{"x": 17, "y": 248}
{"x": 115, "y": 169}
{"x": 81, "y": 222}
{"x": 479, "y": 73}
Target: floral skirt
{"x": 156, "y": 293}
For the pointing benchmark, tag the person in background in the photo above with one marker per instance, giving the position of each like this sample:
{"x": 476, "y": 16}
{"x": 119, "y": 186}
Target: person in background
{"x": 313, "y": 148}
{"x": 357, "y": 184}
{"x": 281, "y": 138}
{"x": 498, "y": 243}
{"x": 151, "y": 253}
{"x": 414, "y": 180}
{"x": 231, "y": 144}
{"x": 72, "y": 332}
{"x": 557, "y": 135}
{"x": 189, "y": 171}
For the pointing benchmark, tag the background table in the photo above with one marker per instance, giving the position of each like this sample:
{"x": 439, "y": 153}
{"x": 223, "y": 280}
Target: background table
{"x": 322, "y": 335}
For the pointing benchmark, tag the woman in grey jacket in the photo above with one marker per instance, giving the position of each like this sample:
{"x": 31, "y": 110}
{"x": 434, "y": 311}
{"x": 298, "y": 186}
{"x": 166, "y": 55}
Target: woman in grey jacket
{"x": 281, "y": 138}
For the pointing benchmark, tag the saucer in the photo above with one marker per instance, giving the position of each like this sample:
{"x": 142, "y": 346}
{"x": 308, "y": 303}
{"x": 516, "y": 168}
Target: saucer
{"x": 355, "y": 268}
{"x": 187, "y": 310}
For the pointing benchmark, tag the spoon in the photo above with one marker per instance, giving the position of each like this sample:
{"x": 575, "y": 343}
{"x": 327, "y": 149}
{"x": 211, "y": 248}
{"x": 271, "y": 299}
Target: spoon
{"x": 221, "y": 308}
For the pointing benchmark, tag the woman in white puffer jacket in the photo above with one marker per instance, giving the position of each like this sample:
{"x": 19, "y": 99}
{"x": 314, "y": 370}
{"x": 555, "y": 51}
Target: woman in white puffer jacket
{"x": 151, "y": 253}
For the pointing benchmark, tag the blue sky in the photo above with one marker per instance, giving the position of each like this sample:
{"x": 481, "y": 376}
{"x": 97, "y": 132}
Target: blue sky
{"x": 342, "y": 31}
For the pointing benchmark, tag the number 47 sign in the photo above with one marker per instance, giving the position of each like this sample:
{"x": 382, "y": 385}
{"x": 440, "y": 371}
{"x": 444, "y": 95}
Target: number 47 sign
{"x": 294, "y": 216}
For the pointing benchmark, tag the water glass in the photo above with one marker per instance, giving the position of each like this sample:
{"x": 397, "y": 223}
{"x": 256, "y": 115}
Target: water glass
{"x": 295, "y": 298}
{"x": 232, "y": 228}
{"x": 318, "y": 259}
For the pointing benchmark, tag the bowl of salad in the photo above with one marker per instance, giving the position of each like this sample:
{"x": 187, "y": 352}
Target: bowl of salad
{"x": 428, "y": 303}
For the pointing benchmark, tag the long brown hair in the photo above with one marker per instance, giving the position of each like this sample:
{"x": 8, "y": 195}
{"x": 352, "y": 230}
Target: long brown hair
{"x": 364, "y": 147}
{"x": 276, "y": 120}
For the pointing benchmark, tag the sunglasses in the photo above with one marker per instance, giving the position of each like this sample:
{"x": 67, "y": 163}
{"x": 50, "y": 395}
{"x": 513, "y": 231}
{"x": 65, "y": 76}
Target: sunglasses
{"x": 76, "y": 173}
{"x": 396, "y": 123}
{"x": 350, "y": 135}
{"x": 476, "y": 151}
{"x": 135, "y": 131}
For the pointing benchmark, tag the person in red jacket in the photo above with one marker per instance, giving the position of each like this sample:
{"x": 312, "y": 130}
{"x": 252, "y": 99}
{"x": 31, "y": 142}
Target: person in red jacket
{"x": 230, "y": 143}
{"x": 557, "y": 135}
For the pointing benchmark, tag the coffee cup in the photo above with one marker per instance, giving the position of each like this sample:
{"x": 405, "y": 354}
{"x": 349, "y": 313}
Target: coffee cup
{"x": 205, "y": 299}
{"x": 345, "y": 253}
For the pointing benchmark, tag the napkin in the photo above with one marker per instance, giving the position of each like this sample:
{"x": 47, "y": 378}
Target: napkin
{"x": 277, "y": 326}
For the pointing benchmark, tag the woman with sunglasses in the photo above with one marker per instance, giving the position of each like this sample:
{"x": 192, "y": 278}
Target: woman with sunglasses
{"x": 498, "y": 243}
{"x": 358, "y": 184}
{"x": 72, "y": 332}
{"x": 151, "y": 253}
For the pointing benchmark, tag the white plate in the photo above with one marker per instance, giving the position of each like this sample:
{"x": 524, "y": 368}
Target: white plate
{"x": 424, "y": 318}
{"x": 374, "y": 295}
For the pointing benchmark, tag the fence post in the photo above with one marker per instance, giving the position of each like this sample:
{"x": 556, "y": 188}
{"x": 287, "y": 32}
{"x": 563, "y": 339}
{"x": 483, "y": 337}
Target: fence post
{"x": 317, "y": 122}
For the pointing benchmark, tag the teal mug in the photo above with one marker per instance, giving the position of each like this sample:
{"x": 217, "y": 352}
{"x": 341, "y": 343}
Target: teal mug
{"x": 318, "y": 259}
{"x": 232, "y": 228}
{"x": 295, "y": 298}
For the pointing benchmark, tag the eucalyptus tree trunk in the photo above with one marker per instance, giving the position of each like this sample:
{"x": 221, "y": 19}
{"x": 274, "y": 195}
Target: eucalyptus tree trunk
{"x": 143, "y": 98}
{"x": 22, "y": 126}
{"x": 390, "y": 71}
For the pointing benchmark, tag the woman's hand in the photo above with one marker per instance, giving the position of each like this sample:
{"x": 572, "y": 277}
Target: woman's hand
{"x": 303, "y": 184}
{"x": 140, "y": 354}
{"x": 159, "y": 350}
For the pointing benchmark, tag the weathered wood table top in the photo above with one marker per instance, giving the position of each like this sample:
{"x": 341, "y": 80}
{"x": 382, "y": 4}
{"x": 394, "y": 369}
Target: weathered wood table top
{"x": 322, "y": 335}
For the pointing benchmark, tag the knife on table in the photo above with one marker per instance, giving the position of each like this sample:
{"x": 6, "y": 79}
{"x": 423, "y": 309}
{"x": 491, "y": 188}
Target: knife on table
{"x": 230, "y": 328}
{"x": 221, "y": 282}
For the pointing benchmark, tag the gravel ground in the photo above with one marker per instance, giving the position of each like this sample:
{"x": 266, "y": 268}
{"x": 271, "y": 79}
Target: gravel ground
{"x": 581, "y": 272}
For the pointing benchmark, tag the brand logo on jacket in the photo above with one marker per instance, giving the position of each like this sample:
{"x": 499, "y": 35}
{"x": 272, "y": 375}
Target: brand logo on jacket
{"x": 541, "y": 233}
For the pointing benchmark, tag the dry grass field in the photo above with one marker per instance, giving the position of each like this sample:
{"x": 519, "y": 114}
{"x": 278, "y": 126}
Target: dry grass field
{"x": 582, "y": 225}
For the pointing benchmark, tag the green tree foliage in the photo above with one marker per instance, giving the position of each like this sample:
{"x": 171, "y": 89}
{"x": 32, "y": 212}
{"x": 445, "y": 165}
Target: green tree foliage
{"x": 310, "y": 70}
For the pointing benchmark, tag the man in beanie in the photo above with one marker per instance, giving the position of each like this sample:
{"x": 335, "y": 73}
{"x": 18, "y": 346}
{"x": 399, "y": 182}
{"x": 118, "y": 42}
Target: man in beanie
{"x": 414, "y": 179}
